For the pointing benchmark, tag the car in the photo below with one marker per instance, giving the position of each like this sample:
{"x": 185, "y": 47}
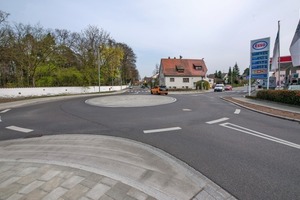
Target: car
{"x": 228, "y": 87}
{"x": 159, "y": 90}
{"x": 219, "y": 88}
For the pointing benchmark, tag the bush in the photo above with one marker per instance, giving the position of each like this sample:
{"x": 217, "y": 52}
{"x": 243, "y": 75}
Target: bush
{"x": 283, "y": 96}
{"x": 205, "y": 85}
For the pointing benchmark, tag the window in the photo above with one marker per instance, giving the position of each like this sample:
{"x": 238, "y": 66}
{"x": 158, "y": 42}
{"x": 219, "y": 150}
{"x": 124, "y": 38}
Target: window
{"x": 172, "y": 79}
{"x": 186, "y": 80}
{"x": 197, "y": 67}
{"x": 179, "y": 69}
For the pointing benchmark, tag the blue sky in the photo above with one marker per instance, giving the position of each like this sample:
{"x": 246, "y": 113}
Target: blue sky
{"x": 218, "y": 31}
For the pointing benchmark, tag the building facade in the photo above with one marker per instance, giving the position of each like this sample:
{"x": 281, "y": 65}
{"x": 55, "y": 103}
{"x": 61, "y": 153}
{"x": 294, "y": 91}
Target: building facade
{"x": 289, "y": 75}
{"x": 181, "y": 73}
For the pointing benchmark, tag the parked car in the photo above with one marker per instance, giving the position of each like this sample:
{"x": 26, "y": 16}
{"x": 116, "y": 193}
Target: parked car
{"x": 159, "y": 90}
{"x": 228, "y": 87}
{"x": 219, "y": 88}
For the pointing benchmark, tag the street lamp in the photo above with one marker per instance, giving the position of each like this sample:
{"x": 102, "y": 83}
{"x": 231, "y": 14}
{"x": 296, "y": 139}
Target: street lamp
{"x": 99, "y": 64}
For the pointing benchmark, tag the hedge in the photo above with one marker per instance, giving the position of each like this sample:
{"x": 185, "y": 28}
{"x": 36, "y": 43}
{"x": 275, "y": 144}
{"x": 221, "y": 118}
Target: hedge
{"x": 282, "y": 96}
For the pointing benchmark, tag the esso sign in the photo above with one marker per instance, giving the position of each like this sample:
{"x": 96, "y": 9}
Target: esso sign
{"x": 259, "y": 45}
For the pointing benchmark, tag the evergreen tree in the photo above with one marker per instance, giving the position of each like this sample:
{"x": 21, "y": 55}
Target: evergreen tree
{"x": 220, "y": 74}
{"x": 229, "y": 76}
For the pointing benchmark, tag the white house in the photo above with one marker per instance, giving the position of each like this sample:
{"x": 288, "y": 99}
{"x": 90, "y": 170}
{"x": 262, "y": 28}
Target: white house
{"x": 181, "y": 73}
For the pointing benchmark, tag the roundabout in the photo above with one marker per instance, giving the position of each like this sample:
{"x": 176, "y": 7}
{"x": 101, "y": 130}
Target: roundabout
{"x": 130, "y": 101}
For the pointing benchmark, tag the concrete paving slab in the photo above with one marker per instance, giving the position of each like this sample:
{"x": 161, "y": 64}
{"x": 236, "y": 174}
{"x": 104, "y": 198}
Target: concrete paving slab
{"x": 102, "y": 167}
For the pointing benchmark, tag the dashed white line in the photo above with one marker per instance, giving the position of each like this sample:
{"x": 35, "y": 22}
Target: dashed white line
{"x": 186, "y": 109}
{"x": 237, "y": 111}
{"x": 20, "y": 129}
{"x": 4, "y": 111}
{"x": 162, "y": 130}
{"x": 218, "y": 120}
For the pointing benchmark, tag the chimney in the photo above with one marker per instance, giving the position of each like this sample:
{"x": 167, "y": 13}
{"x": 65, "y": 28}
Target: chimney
{"x": 180, "y": 56}
{"x": 174, "y": 57}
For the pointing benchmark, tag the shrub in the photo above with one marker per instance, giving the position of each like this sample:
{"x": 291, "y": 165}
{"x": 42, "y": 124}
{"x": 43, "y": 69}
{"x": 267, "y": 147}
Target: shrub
{"x": 283, "y": 96}
{"x": 205, "y": 84}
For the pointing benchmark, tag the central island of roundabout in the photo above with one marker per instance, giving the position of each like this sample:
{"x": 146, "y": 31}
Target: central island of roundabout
{"x": 130, "y": 100}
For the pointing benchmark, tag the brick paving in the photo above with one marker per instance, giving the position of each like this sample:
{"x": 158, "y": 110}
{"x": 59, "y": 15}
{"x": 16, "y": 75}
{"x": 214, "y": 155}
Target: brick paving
{"x": 21, "y": 180}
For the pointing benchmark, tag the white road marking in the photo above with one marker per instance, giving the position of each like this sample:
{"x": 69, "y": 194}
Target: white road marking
{"x": 162, "y": 130}
{"x": 186, "y": 109}
{"x": 259, "y": 134}
{"x": 20, "y": 129}
{"x": 237, "y": 111}
{"x": 4, "y": 111}
{"x": 217, "y": 120}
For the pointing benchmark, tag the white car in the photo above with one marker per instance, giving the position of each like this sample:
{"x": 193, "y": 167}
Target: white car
{"x": 219, "y": 88}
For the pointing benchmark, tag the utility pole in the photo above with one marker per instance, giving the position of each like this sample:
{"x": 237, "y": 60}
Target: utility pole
{"x": 99, "y": 65}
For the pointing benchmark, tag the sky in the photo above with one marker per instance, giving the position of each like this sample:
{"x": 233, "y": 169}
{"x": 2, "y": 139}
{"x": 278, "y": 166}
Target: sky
{"x": 219, "y": 31}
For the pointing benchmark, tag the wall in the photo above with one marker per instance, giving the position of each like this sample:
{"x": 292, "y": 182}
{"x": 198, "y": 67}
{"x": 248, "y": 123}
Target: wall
{"x": 52, "y": 91}
{"x": 179, "y": 84}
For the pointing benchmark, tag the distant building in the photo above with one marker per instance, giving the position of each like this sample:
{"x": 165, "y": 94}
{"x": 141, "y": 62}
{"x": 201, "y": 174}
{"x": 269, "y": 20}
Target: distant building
{"x": 288, "y": 73}
{"x": 181, "y": 73}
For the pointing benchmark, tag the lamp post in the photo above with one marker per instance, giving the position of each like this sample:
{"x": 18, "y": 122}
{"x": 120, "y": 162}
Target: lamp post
{"x": 99, "y": 63}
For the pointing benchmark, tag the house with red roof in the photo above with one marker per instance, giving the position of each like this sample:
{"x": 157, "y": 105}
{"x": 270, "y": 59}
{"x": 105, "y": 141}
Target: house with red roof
{"x": 180, "y": 73}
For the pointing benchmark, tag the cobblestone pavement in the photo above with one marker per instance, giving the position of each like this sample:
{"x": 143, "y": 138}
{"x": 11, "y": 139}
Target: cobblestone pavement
{"x": 21, "y": 180}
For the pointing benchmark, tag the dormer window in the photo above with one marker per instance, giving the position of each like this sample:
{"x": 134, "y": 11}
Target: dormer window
{"x": 179, "y": 68}
{"x": 197, "y": 67}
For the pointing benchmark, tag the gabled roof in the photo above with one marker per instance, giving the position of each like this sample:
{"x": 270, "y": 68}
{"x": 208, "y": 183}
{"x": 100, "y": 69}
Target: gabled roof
{"x": 183, "y": 67}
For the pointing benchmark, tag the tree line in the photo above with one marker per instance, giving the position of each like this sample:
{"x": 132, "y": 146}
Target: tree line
{"x": 233, "y": 75}
{"x": 32, "y": 56}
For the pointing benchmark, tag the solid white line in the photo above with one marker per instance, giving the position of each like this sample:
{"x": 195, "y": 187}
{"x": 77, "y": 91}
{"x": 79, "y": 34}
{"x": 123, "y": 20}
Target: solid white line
{"x": 16, "y": 128}
{"x": 217, "y": 120}
{"x": 162, "y": 130}
{"x": 261, "y": 135}
{"x": 237, "y": 111}
{"x": 4, "y": 111}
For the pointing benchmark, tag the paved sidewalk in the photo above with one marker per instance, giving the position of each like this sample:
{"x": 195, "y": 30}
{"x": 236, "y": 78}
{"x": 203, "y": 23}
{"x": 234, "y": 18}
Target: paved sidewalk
{"x": 97, "y": 167}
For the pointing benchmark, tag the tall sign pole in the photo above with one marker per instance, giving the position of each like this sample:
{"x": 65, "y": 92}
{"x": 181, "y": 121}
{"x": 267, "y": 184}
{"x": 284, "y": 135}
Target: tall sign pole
{"x": 279, "y": 81}
{"x": 259, "y": 59}
{"x": 249, "y": 88}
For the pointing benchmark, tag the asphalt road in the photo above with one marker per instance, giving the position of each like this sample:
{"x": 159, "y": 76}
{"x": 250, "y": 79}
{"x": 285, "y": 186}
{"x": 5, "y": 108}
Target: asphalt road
{"x": 251, "y": 155}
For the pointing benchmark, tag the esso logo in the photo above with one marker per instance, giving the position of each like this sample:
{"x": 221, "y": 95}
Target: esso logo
{"x": 260, "y": 45}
